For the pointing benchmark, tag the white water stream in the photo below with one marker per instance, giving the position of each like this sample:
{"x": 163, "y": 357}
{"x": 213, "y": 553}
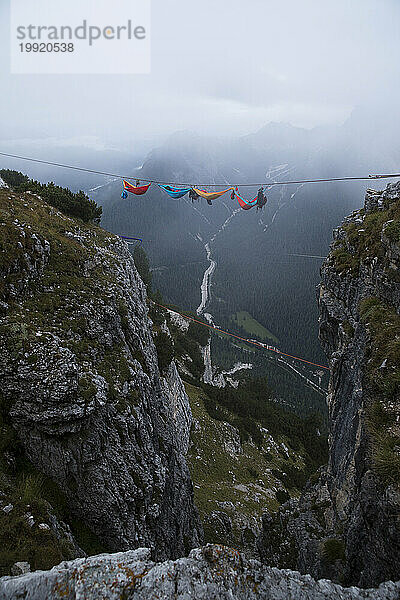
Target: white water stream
{"x": 205, "y": 284}
{"x": 209, "y": 376}
{"x": 205, "y": 290}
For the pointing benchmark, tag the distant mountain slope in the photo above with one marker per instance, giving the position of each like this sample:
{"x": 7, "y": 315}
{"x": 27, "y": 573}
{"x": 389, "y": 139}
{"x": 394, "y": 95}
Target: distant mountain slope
{"x": 255, "y": 270}
{"x": 247, "y": 451}
{"x": 238, "y": 475}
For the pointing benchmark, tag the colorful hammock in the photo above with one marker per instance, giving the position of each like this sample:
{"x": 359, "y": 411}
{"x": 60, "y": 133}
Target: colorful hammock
{"x": 246, "y": 205}
{"x": 174, "y": 192}
{"x": 139, "y": 191}
{"x": 211, "y": 195}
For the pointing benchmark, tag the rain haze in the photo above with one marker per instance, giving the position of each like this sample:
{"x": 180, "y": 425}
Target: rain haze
{"x": 220, "y": 69}
{"x": 200, "y": 299}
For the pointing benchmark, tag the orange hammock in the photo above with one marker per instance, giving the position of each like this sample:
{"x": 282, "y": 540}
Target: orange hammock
{"x": 211, "y": 195}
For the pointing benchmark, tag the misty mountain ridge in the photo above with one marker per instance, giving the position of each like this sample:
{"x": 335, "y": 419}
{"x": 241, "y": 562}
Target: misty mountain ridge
{"x": 318, "y": 152}
{"x": 362, "y": 141}
{"x": 253, "y": 247}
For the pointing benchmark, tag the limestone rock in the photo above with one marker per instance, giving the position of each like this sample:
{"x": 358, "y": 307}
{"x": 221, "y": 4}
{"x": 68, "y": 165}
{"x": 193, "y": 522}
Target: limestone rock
{"x": 20, "y": 568}
{"x": 209, "y": 573}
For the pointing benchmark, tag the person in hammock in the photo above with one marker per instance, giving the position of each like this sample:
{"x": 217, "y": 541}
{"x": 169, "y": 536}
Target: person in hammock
{"x": 261, "y": 198}
{"x": 193, "y": 196}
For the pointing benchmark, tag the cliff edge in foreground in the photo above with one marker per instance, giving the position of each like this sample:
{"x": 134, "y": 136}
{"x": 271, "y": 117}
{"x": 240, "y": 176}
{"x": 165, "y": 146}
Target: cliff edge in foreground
{"x": 209, "y": 573}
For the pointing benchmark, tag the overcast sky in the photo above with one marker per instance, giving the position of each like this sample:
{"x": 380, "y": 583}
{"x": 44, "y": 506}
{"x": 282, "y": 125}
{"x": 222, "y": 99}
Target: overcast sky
{"x": 220, "y": 66}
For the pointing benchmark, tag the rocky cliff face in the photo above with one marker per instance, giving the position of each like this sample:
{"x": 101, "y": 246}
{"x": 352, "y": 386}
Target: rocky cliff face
{"x": 209, "y": 573}
{"x": 347, "y": 525}
{"x": 80, "y": 380}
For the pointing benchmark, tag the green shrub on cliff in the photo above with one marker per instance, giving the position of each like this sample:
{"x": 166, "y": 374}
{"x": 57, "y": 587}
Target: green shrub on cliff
{"x": 72, "y": 204}
{"x": 363, "y": 241}
{"x": 143, "y": 267}
{"x": 383, "y": 325}
{"x": 392, "y": 231}
{"x": 13, "y": 178}
{"x": 165, "y": 350}
{"x": 344, "y": 261}
{"x": 333, "y": 549}
{"x": 386, "y": 454}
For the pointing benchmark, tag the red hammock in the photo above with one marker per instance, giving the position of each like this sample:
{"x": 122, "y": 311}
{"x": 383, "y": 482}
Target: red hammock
{"x": 244, "y": 204}
{"x": 139, "y": 191}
